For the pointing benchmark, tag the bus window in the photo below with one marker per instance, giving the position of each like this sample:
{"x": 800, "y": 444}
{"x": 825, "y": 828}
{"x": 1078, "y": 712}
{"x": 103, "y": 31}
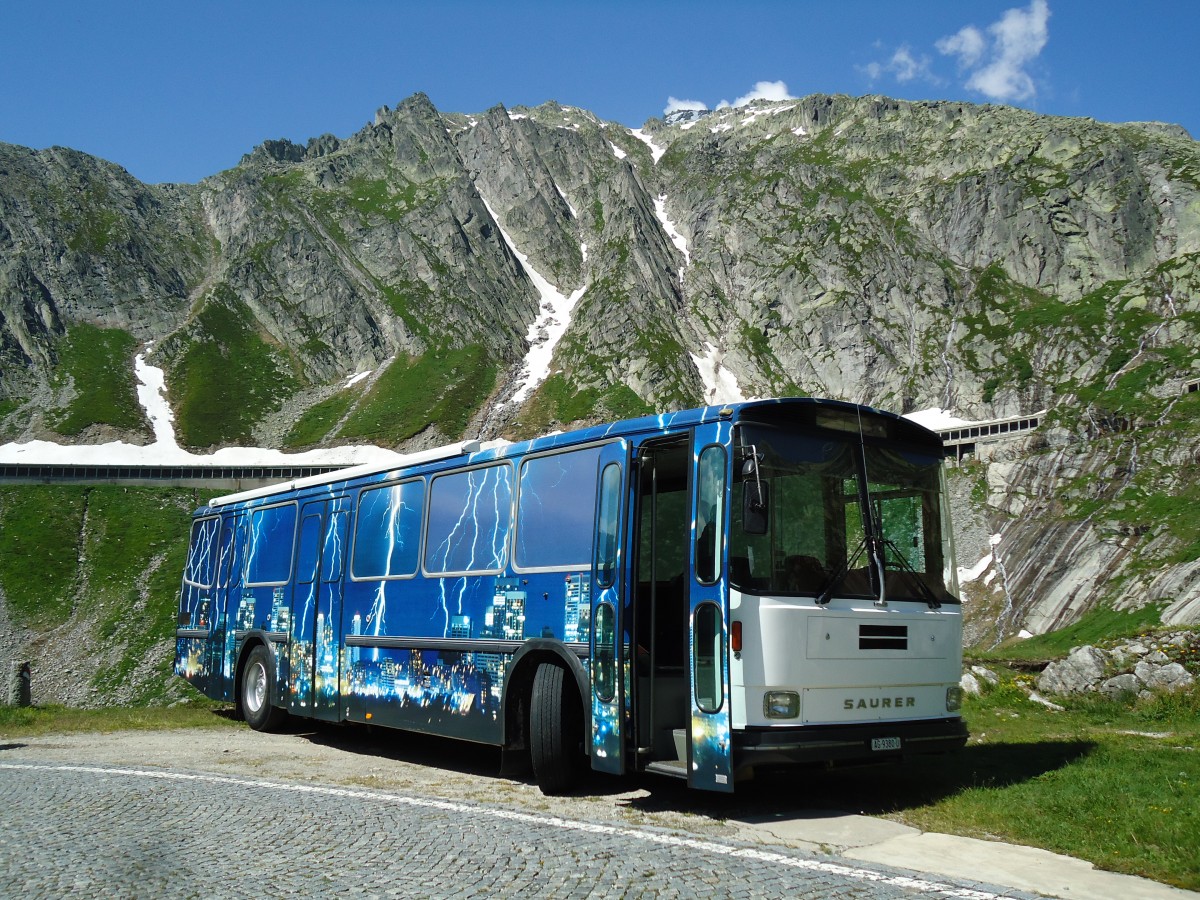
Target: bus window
{"x": 610, "y": 522}
{"x": 202, "y": 553}
{"x": 387, "y": 532}
{"x": 469, "y": 517}
{"x": 310, "y": 535}
{"x": 606, "y": 655}
{"x": 710, "y": 514}
{"x": 272, "y": 533}
{"x": 331, "y": 553}
{"x": 555, "y": 506}
{"x": 707, "y": 658}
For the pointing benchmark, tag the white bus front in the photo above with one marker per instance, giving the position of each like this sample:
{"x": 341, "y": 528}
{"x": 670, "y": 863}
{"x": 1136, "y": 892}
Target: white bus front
{"x": 846, "y": 629}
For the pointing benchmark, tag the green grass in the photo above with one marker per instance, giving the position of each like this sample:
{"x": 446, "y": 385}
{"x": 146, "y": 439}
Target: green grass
{"x": 100, "y": 362}
{"x": 53, "y": 568}
{"x": 31, "y": 721}
{"x": 227, "y": 377}
{"x": 443, "y": 387}
{"x": 39, "y": 551}
{"x": 137, "y": 540}
{"x": 318, "y": 420}
{"x": 557, "y": 401}
{"x": 1094, "y": 626}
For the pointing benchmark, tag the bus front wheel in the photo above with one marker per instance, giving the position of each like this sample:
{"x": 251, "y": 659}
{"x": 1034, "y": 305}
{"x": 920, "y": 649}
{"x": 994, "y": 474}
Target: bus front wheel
{"x": 556, "y": 730}
{"x": 258, "y": 678}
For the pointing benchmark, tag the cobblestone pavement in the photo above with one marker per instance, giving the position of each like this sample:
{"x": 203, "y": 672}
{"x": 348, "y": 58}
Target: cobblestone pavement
{"x": 103, "y": 830}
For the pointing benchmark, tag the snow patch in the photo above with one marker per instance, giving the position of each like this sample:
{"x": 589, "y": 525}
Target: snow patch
{"x": 720, "y": 385}
{"x": 686, "y": 125}
{"x": 151, "y": 394}
{"x": 565, "y": 200}
{"x": 656, "y": 152}
{"x": 800, "y": 132}
{"x": 967, "y": 575}
{"x": 355, "y": 379}
{"x": 716, "y": 129}
{"x": 660, "y": 210}
{"x": 547, "y": 329}
{"x": 617, "y": 151}
{"x": 758, "y": 114}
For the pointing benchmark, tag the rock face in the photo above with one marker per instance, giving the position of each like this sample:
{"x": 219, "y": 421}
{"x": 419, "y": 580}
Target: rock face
{"x": 908, "y": 255}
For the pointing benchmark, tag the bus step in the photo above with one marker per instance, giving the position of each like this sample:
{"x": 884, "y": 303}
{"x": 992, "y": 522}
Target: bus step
{"x": 672, "y": 767}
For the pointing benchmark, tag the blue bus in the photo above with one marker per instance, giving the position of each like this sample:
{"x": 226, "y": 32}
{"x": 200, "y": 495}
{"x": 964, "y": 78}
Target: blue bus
{"x": 705, "y": 594}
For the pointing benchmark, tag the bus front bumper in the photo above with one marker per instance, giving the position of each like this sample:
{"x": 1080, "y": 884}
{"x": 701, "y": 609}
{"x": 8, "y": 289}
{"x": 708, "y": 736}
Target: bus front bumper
{"x": 755, "y": 748}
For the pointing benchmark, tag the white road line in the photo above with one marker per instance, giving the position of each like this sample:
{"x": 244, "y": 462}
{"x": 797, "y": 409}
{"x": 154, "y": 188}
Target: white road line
{"x": 933, "y": 888}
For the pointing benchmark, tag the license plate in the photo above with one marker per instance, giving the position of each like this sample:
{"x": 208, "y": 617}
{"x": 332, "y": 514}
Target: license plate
{"x": 891, "y": 743}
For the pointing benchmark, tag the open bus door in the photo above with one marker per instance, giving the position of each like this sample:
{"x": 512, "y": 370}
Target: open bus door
{"x": 313, "y": 661}
{"x": 710, "y": 751}
{"x": 609, "y": 642}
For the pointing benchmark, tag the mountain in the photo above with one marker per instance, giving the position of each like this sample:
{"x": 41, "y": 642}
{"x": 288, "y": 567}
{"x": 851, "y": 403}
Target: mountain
{"x": 985, "y": 260}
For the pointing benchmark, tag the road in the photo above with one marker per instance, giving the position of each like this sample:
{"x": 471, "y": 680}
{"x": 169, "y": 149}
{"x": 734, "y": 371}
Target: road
{"x": 228, "y": 812}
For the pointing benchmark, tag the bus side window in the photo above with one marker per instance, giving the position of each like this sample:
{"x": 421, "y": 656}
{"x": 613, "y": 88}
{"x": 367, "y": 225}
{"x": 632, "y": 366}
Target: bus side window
{"x": 272, "y": 537}
{"x": 610, "y": 518}
{"x": 710, "y": 514}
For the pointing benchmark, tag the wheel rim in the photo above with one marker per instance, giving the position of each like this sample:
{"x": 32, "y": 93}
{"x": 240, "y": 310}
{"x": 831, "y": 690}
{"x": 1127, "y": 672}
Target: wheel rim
{"x": 256, "y": 687}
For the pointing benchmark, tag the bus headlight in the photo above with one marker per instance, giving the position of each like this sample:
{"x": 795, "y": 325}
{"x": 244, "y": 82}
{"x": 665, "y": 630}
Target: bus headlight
{"x": 781, "y": 704}
{"x": 953, "y": 698}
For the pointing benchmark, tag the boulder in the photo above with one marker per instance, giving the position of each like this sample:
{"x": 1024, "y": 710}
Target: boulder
{"x": 1171, "y": 677}
{"x": 970, "y": 684}
{"x": 985, "y": 675}
{"x": 1081, "y": 671}
{"x": 1121, "y": 687}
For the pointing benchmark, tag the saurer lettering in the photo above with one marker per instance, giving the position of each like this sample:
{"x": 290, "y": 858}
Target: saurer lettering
{"x": 879, "y": 703}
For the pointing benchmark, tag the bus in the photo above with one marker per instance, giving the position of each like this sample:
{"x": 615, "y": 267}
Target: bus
{"x": 708, "y": 594}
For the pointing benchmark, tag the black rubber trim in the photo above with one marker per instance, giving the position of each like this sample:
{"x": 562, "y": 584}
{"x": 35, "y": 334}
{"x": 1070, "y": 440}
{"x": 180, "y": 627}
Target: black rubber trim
{"x": 192, "y": 633}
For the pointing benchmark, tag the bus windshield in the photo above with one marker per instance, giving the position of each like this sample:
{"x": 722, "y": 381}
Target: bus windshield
{"x": 800, "y": 526}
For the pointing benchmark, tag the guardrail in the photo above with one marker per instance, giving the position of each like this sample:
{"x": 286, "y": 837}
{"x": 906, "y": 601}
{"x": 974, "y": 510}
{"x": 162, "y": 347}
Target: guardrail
{"x": 225, "y": 478}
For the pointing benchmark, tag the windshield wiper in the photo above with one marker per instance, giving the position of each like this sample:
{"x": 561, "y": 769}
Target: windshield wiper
{"x": 906, "y": 566}
{"x": 827, "y": 592}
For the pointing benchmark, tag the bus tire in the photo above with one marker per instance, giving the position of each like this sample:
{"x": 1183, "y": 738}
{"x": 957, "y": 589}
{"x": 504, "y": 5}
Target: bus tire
{"x": 257, "y": 691}
{"x": 556, "y": 728}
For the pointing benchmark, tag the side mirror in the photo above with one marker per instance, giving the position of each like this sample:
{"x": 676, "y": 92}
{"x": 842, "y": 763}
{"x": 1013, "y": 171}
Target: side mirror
{"x": 755, "y": 507}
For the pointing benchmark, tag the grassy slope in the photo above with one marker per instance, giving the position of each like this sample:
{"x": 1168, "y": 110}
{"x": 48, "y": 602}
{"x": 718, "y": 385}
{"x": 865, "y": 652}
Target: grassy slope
{"x": 120, "y": 570}
{"x": 226, "y": 377}
{"x": 445, "y": 387}
{"x": 100, "y": 363}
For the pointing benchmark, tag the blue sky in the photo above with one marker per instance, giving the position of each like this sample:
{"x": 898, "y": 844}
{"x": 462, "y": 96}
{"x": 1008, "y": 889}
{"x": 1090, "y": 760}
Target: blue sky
{"x": 177, "y": 91}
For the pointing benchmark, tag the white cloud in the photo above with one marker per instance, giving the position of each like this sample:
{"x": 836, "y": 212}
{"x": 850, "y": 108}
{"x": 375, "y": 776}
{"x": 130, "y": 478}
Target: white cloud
{"x": 968, "y": 45}
{"x": 1015, "y": 41}
{"x": 903, "y": 66}
{"x": 762, "y": 90}
{"x": 674, "y": 104}
{"x": 765, "y": 90}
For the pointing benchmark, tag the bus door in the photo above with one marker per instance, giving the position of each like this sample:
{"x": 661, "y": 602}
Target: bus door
{"x": 660, "y": 604}
{"x": 709, "y": 745}
{"x": 229, "y": 584}
{"x": 313, "y": 660}
{"x": 609, "y": 649}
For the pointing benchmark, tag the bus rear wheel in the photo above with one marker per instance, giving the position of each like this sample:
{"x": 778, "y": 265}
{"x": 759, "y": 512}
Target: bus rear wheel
{"x": 257, "y": 690}
{"x": 556, "y": 730}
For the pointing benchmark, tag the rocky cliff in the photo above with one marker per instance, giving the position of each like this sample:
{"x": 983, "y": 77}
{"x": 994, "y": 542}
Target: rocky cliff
{"x": 984, "y": 259}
